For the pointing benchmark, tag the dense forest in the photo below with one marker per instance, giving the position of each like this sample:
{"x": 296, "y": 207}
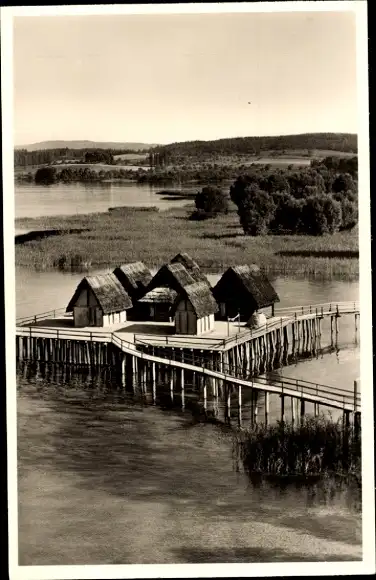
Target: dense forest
{"x": 343, "y": 142}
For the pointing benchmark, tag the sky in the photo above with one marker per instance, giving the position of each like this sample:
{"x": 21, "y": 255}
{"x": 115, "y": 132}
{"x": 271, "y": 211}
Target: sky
{"x": 165, "y": 78}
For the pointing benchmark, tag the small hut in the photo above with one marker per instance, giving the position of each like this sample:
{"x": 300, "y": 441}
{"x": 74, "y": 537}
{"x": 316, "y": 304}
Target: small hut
{"x": 134, "y": 278}
{"x": 243, "y": 290}
{"x": 157, "y": 304}
{"x": 99, "y": 301}
{"x": 191, "y": 266}
{"x": 195, "y": 309}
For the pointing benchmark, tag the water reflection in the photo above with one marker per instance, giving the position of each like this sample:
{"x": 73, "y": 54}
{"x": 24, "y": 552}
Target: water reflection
{"x": 153, "y": 483}
{"x": 81, "y": 198}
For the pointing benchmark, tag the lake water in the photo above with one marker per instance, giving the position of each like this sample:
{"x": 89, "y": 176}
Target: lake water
{"x": 75, "y": 198}
{"x": 108, "y": 477}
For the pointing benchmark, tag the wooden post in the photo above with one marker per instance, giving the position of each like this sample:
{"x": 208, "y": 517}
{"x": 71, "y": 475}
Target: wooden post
{"x": 205, "y": 394}
{"x": 357, "y": 425}
{"x": 346, "y": 427}
{"x": 302, "y": 410}
{"x": 228, "y": 402}
{"x": 182, "y": 388}
{"x": 240, "y": 405}
{"x": 293, "y": 410}
{"x": 346, "y": 418}
{"x": 172, "y": 383}
{"x": 267, "y": 397}
{"x": 255, "y": 409}
{"x": 316, "y": 409}
{"x": 355, "y": 394}
{"x": 282, "y": 409}
{"x": 153, "y": 373}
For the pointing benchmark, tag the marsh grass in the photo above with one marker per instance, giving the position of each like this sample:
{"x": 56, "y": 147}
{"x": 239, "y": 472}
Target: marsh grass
{"x": 316, "y": 447}
{"x": 155, "y": 236}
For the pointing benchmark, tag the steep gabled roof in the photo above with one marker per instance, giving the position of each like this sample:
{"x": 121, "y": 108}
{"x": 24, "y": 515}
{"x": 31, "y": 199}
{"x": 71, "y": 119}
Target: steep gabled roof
{"x": 108, "y": 291}
{"x": 253, "y": 280}
{"x": 175, "y": 276}
{"x": 190, "y": 265}
{"x": 137, "y": 274}
{"x": 201, "y": 298}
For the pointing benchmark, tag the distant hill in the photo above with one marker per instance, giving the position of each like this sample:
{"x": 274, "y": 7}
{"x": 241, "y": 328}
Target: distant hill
{"x": 343, "y": 142}
{"x": 84, "y": 145}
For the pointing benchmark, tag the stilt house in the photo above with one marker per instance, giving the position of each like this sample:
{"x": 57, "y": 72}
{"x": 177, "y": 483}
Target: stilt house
{"x": 99, "y": 301}
{"x": 174, "y": 293}
{"x": 243, "y": 290}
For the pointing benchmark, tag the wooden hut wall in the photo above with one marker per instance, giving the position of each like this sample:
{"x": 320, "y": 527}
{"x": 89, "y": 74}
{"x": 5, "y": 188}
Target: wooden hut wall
{"x": 187, "y": 322}
{"x": 114, "y": 318}
{"x": 185, "y": 318}
{"x": 232, "y": 298}
{"x": 86, "y": 310}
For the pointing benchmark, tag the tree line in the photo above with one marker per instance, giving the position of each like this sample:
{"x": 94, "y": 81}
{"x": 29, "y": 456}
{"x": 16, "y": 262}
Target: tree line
{"x": 312, "y": 201}
{"x": 24, "y": 158}
{"x": 48, "y": 175}
{"x": 343, "y": 142}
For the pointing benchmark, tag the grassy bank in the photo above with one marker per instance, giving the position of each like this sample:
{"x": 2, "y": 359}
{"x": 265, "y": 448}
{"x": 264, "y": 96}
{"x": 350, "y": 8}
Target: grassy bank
{"x": 154, "y": 237}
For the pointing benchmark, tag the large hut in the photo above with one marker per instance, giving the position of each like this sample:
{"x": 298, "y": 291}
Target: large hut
{"x": 243, "y": 290}
{"x": 191, "y": 266}
{"x": 173, "y": 292}
{"x": 99, "y": 301}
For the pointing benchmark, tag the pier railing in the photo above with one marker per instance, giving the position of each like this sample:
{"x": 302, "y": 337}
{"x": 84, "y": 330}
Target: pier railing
{"x": 319, "y": 309}
{"x": 289, "y": 386}
{"x": 178, "y": 341}
{"x": 324, "y": 394}
{"x": 301, "y": 386}
{"x": 24, "y": 321}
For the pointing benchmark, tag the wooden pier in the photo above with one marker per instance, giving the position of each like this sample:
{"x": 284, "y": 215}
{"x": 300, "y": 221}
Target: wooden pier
{"x": 231, "y": 364}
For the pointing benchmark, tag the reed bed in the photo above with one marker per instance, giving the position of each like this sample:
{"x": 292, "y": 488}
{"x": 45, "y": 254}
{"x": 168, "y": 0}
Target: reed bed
{"x": 316, "y": 447}
{"x": 154, "y": 236}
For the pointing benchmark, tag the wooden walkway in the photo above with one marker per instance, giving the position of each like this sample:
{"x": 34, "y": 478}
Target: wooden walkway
{"x": 305, "y": 391}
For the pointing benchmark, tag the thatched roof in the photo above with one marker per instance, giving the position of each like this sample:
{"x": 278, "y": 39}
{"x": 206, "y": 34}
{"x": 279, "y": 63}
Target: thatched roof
{"x": 136, "y": 273}
{"x": 174, "y": 276}
{"x": 161, "y": 294}
{"x": 253, "y": 281}
{"x": 108, "y": 291}
{"x": 201, "y": 298}
{"x": 190, "y": 265}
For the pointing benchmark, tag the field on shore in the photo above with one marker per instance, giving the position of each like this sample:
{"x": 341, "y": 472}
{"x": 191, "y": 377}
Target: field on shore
{"x": 281, "y": 159}
{"x": 131, "y": 234}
